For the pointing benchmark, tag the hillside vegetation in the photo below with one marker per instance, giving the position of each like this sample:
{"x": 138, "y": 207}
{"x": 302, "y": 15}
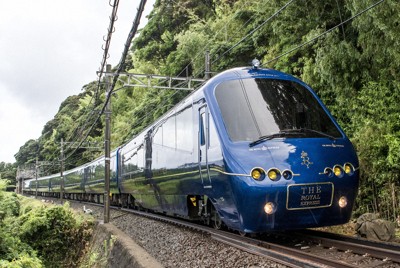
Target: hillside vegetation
{"x": 354, "y": 69}
{"x": 33, "y": 234}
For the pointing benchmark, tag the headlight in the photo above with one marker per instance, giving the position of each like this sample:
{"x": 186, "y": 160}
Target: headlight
{"x": 342, "y": 202}
{"x": 338, "y": 170}
{"x": 258, "y": 174}
{"x": 348, "y": 169}
{"x": 270, "y": 208}
{"x": 274, "y": 174}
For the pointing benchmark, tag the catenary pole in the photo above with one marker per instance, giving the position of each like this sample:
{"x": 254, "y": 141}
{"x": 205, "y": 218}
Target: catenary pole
{"x": 107, "y": 137}
{"x": 36, "y": 176}
{"x": 62, "y": 172}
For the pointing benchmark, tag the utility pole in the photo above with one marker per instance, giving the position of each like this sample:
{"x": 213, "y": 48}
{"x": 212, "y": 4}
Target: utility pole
{"x": 36, "y": 175}
{"x": 107, "y": 137}
{"x": 62, "y": 171}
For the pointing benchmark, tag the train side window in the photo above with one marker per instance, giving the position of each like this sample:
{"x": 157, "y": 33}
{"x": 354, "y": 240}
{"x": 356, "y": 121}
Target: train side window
{"x": 184, "y": 130}
{"x": 140, "y": 158}
{"x": 158, "y": 135}
{"x": 133, "y": 163}
{"x": 214, "y": 140}
{"x": 169, "y": 132}
{"x": 202, "y": 136}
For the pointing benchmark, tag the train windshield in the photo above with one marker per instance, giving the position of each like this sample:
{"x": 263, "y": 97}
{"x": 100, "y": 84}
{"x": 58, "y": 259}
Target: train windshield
{"x": 256, "y": 108}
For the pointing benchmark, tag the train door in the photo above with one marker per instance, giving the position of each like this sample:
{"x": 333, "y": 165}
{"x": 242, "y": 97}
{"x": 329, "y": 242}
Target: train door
{"x": 203, "y": 142}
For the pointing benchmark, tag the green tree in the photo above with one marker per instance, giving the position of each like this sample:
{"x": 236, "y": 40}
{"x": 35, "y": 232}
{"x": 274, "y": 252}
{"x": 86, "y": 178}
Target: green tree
{"x": 353, "y": 68}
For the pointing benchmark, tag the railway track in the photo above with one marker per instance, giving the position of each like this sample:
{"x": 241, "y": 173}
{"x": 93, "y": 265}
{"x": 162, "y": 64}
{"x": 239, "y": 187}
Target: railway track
{"x": 387, "y": 252}
{"x": 318, "y": 249}
{"x": 296, "y": 249}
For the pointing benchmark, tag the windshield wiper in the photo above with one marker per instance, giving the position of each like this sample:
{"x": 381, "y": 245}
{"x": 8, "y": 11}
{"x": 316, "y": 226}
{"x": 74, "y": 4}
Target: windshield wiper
{"x": 280, "y": 134}
{"x": 316, "y": 132}
{"x": 288, "y": 132}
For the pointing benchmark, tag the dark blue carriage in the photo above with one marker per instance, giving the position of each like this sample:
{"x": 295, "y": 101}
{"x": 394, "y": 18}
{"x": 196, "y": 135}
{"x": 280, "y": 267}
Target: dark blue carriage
{"x": 254, "y": 149}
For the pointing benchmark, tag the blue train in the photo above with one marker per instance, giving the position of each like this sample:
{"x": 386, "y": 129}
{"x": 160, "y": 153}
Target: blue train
{"x": 253, "y": 149}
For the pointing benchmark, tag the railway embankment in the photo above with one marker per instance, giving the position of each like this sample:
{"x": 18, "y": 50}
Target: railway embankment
{"x": 110, "y": 247}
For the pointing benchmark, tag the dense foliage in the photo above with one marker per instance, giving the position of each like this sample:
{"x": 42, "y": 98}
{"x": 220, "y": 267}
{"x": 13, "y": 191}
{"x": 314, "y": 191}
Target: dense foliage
{"x": 8, "y": 172}
{"x": 34, "y": 235}
{"x": 353, "y": 68}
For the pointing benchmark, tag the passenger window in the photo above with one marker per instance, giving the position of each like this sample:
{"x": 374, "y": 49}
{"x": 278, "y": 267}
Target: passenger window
{"x": 213, "y": 140}
{"x": 184, "y": 129}
{"x": 202, "y": 136}
{"x": 169, "y": 133}
{"x": 158, "y": 135}
{"x": 140, "y": 158}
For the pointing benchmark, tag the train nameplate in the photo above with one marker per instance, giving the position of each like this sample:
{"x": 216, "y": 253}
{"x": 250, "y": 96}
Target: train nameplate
{"x": 309, "y": 196}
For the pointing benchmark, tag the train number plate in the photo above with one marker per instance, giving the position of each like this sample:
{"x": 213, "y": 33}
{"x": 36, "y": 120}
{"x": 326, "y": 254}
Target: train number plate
{"x": 307, "y": 196}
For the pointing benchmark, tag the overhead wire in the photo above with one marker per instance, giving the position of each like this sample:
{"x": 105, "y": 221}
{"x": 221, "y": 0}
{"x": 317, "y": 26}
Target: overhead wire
{"x": 111, "y": 29}
{"x": 324, "y": 33}
{"x": 179, "y": 73}
{"x": 134, "y": 29}
{"x": 255, "y": 29}
{"x": 131, "y": 34}
{"x": 268, "y": 19}
{"x": 275, "y": 14}
{"x": 191, "y": 62}
{"x": 199, "y": 54}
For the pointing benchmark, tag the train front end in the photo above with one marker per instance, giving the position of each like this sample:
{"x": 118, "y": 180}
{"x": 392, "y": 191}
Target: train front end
{"x": 290, "y": 165}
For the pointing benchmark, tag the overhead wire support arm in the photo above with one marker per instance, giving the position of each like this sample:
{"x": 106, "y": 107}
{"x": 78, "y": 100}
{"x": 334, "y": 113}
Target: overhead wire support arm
{"x": 158, "y": 81}
{"x": 177, "y": 83}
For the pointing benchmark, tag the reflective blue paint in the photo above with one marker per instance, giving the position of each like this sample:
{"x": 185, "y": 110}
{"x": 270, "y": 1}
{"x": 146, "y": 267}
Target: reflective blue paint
{"x": 250, "y": 196}
{"x": 162, "y": 178}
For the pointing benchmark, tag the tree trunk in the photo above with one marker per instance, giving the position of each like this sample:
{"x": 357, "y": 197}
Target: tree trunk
{"x": 375, "y": 206}
{"x": 394, "y": 201}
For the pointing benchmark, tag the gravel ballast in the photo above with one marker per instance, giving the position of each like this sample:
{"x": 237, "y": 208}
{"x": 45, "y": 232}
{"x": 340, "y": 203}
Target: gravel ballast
{"x": 175, "y": 246}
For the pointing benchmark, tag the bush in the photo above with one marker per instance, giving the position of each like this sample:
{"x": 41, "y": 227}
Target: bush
{"x": 55, "y": 234}
{"x": 9, "y": 205}
{"x": 36, "y": 235}
{"x": 24, "y": 260}
{"x": 13, "y": 252}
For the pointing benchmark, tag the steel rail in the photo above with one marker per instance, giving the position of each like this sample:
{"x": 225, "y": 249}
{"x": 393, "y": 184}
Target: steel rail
{"x": 272, "y": 251}
{"x": 384, "y": 251}
{"x": 286, "y": 255}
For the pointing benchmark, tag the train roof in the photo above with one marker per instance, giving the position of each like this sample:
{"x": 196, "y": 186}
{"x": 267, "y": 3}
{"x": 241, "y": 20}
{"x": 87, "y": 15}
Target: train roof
{"x": 209, "y": 85}
{"x": 249, "y": 72}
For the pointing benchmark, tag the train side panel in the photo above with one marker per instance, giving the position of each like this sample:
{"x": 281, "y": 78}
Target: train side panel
{"x": 160, "y": 167}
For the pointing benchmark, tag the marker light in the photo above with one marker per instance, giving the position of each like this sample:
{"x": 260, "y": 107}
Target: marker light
{"x": 287, "y": 174}
{"x": 338, "y": 170}
{"x": 258, "y": 174}
{"x": 274, "y": 174}
{"x": 269, "y": 208}
{"x": 348, "y": 169}
{"x": 329, "y": 172}
{"x": 342, "y": 202}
